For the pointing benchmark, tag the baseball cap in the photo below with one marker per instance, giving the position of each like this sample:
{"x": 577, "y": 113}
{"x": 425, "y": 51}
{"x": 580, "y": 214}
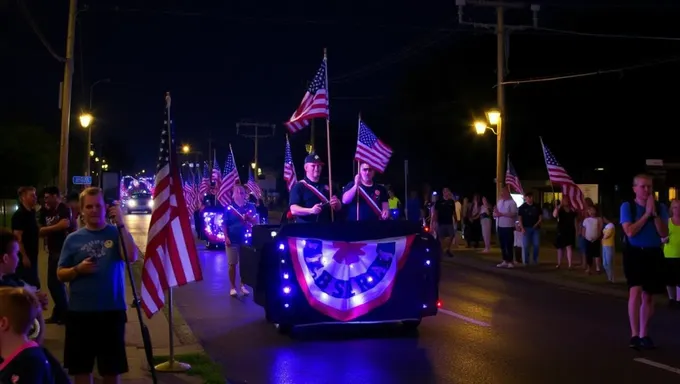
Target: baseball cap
{"x": 313, "y": 158}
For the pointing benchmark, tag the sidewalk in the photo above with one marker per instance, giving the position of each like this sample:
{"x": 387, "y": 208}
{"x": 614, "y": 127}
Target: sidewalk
{"x": 158, "y": 328}
{"x": 575, "y": 278}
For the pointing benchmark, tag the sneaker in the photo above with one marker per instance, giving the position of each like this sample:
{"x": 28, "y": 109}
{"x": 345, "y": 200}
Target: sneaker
{"x": 502, "y": 265}
{"x": 245, "y": 291}
{"x": 647, "y": 343}
{"x": 635, "y": 342}
{"x": 510, "y": 265}
{"x": 233, "y": 293}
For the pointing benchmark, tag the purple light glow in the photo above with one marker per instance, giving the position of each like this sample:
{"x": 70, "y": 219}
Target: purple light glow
{"x": 212, "y": 227}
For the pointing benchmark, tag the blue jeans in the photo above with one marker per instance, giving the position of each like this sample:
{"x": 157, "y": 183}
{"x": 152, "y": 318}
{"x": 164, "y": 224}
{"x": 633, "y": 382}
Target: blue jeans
{"x": 506, "y": 237}
{"x": 532, "y": 238}
{"x": 608, "y": 261}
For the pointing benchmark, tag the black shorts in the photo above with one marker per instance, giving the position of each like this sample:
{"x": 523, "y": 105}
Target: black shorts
{"x": 673, "y": 272}
{"x": 644, "y": 267}
{"x": 95, "y": 335}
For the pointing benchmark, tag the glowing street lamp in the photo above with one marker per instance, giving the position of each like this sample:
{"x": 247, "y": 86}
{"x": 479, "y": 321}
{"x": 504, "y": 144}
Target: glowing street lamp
{"x": 96, "y": 159}
{"x": 480, "y": 127}
{"x": 85, "y": 120}
{"x": 494, "y": 116}
{"x": 253, "y": 165}
{"x": 91, "y": 153}
{"x": 186, "y": 149}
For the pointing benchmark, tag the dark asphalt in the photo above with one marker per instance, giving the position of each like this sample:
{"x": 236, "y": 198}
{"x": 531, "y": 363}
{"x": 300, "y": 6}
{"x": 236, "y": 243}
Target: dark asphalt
{"x": 522, "y": 332}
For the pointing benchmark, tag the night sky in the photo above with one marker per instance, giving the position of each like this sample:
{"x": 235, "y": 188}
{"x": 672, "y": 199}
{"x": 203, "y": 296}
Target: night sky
{"x": 418, "y": 78}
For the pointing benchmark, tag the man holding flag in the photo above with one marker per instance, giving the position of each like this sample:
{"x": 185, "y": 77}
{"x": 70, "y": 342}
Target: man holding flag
{"x": 309, "y": 199}
{"x": 239, "y": 216}
{"x": 372, "y": 197}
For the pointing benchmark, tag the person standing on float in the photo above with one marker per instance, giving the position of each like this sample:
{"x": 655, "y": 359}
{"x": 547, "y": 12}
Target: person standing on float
{"x": 372, "y": 197}
{"x": 310, "y": 200}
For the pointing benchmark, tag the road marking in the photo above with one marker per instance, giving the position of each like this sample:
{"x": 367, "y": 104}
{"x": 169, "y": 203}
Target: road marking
{"x": 657, "y": 365}
{"x": 464, "y": 318}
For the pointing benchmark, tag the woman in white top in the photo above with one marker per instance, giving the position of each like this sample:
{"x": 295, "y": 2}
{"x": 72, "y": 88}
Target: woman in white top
{"x": 592, "y": 234}
{"x": 485, "y": 216}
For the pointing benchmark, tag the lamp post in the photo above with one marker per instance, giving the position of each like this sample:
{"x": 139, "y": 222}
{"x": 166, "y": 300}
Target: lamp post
{"x": 495, "y": 119}
{"x": 86, "y": 120}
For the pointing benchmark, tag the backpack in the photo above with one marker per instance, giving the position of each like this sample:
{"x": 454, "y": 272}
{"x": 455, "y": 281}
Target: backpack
{"x": 632, "y": 205}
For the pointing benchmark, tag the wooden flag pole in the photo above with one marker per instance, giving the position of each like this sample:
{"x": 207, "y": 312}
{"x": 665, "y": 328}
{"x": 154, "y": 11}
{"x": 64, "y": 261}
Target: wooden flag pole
{"x": 328, "y": 136}
{"x": 171, "y": 365}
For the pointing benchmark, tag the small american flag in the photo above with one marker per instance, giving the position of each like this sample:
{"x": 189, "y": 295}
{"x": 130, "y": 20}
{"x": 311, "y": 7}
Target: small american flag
{"x": 314, "y": 104}
{"x": 229, "y": 180}
{"x": 511, "y": 178}
{"x": 558, "y": 175}
{"x": 204, "y": 186}
{"x": 252, "y": 185}
{"x": 171, "y": 258}
{"x": 216, "y": 175}
{"x": 371, "y": 150}
{"x": 288, "y": 168}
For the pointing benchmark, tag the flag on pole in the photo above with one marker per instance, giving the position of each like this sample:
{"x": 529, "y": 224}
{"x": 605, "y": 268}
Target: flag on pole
{"x": 371, "y": 150}
{"x": 252, "y": 185}
{"x": 288, "y": 168}
{"x": 229, "y": 180}
{"x": 216, "y": 175}
{"x": 512, "y": 180}
{"x": 314, "y": 104}
{"x": 171, "y": 258}
{"x": 558, "y": 175}
{"x": 204, "y": 186}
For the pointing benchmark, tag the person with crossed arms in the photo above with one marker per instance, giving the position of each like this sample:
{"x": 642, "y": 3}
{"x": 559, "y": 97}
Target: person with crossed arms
{"x": 372, "y": 197}
{"x": 309, "y": 198}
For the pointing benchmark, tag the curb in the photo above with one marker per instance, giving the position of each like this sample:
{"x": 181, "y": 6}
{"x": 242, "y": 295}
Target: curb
{"x": 468, "y": 261}
{"x": 179, "y": 326}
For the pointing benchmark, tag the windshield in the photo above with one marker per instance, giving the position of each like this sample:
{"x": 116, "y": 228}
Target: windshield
{"x": 141, "y": 196}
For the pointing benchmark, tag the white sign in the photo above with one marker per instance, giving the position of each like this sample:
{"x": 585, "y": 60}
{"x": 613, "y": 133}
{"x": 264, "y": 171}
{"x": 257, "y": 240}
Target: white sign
{"x": 590, "y": 190}
{"x": 654, "y": 162}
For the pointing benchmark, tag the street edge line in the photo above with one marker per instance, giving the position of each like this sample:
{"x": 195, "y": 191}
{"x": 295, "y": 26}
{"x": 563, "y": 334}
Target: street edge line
{"x": 654, "y": 364}
{"x": 464, "y": 318}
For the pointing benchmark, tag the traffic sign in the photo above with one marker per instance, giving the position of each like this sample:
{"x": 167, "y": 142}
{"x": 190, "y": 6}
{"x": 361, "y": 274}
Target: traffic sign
{"x": 82, "y": 180}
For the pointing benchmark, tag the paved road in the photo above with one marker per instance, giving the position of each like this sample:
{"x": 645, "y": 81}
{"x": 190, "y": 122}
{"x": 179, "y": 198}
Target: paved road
{"x": 492, "y": 329}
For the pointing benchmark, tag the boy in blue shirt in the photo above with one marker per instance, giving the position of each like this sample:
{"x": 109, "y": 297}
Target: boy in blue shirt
{"x": 92, "y": 263}
{"x": 239, "y": 217}
{"x": 644, "y": 225}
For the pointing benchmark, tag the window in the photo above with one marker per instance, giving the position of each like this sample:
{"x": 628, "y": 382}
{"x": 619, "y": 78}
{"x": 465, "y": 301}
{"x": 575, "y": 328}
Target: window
{"x": 550, "y": 197}
{"x": 656, "y": 195}
{"x": 672, "y": 194}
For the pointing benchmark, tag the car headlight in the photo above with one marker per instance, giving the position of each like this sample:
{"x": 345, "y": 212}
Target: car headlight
{"x": 132, "y": 204}
{"x": 150, "y": 203}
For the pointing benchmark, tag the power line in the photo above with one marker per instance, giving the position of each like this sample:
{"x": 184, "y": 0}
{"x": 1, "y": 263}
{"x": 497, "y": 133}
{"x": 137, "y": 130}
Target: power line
{"x": 600, "y": 35}
{"x": 31, "y": 22}
{"x": 593, "y": 73}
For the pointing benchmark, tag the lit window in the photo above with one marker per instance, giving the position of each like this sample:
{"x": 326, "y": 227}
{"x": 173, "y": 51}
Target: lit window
{"x": 672, "y": 193}
{"x": 656, "y": 195}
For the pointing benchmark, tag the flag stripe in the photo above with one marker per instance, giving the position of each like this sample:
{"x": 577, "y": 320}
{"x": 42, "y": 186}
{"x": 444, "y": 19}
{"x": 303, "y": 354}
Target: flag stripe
{"x": 371, "y": 150}
{"x": 313, "y": 105}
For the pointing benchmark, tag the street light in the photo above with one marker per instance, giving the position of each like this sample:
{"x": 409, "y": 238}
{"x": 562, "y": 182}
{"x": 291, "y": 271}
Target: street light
{"x": 91, "y": 153}
{"x": 186, "y": 149}
{"x": 253, "y": 165}
{"x": 481, "y": 127}
{"x": 494, "y": 116}
{"x": 85, "y": 120}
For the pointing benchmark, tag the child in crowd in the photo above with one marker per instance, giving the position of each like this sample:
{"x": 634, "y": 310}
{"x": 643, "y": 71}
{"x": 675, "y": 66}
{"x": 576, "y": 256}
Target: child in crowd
{"x": 608, "y": 239}
{"x": 592, "y": 233}
{"x": 519, "y": 243}
{"x": 24, "y": 361}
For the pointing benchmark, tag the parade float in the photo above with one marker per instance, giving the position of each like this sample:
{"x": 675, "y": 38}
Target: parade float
{"x": 343, "y": 272}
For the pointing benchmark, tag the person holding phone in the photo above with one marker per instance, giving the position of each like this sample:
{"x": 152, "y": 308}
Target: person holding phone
{"x": 93, "y": 264}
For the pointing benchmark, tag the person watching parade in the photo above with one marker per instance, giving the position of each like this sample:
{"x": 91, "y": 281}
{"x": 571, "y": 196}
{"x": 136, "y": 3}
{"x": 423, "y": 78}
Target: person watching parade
{"x": 371, "y": 198}
{"x": 309, "y": 199}
{"x": 239, "y": 215}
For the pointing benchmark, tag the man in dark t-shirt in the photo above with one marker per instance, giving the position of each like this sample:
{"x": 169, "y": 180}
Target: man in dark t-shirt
{"x": 25, "y": 228}
{"x": 444, "y": 212}
{"x": 530, "y": 216}
{"x": 55, "y": 221}
{"x": 365, "y": 197}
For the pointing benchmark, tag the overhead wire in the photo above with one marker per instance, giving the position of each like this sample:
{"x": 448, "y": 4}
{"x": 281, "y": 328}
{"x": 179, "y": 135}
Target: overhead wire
{"x": 34, "y": 27}
{"x": 593, "y": 73}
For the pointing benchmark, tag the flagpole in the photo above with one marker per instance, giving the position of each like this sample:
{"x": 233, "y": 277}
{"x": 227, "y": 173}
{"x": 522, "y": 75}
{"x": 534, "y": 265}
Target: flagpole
{"x": 171, "y": 365}
{"x": 238, "y": 177}
{"x": 545, "y": 161}
{"x": 406, "y": 188}
{"x": 356, "y": 191}
{"x": 328, "y": 134}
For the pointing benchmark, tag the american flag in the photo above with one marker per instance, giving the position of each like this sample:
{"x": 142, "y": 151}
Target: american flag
{"x": 511, "y": 178}
{"x": 371, "y": 150}
{"x": 252, "y": 185}
{"x": 204, "y": 186}
{"x": 558, "y": 175}
{"x": 216, "y": 175}
{"x": 229, "y": 180}
{"x": 171, "y": 258}
{"x": 314, "y": 104}
{"x": 288, "y": 168}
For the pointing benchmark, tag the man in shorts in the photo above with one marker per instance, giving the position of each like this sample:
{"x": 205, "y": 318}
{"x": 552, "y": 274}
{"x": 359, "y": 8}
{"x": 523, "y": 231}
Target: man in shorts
{"x": 643, "y": 259}
{"x": 239, "y": 218}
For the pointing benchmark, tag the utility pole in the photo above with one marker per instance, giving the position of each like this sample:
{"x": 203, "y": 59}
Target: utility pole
{"x": 66, "y": 97}
{"x": 501, "y": 36}
{"x": 256, "y": 134}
